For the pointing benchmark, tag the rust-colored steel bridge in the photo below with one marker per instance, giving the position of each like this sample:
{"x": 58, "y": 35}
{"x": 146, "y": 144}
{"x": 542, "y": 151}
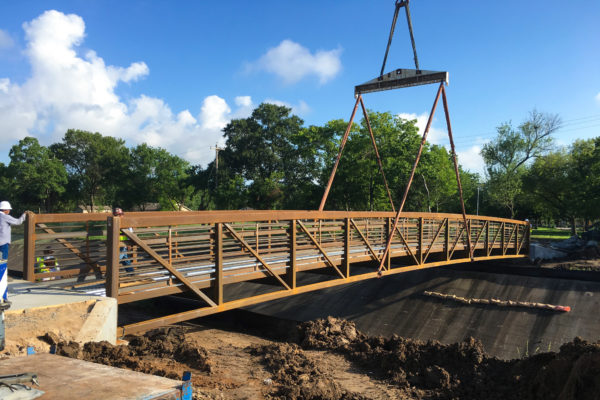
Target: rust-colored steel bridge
{"x": 147, "y": 255}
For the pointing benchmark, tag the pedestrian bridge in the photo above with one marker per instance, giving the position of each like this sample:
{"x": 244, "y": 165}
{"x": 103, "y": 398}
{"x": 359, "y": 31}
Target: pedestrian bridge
{"x": 146, "y": 255}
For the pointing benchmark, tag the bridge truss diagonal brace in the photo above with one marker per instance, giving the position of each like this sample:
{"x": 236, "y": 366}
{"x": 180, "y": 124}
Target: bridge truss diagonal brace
{"x": 483, "y": 228}
{"x": 442, "y": 224}
{"x": 441, "y": 92}
{"x": 90, "y": 263}
{"x": 458, "y": 236}
{"x": 507, "y": 242}
{"x": 500, "y": 229}
{"x": 316, "y": 243}
{"x": 364, "y": 238}
{"x": 256, "y": 255}
{"x": 134, "y": 238}
{"x": 401, "y": 236}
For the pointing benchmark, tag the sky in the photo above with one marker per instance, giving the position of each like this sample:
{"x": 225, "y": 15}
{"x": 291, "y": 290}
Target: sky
{"x": 173, "y": 73}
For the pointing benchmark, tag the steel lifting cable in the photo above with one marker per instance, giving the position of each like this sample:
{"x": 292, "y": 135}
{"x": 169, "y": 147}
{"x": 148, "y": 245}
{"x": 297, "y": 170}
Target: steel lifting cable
{"x": 410, "y": 30}
{"x": 387, "y": 50}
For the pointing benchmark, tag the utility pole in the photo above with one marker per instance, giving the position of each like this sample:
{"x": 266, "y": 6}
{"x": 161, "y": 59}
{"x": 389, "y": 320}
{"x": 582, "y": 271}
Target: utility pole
{"x": 217, "y": 149}
{"x": 478, "y": 187}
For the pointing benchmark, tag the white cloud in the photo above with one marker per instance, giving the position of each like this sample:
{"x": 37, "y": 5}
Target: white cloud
{"x": 67, "y": 90}
{"x": 435, "y": 135}
{"x": 598, "y": 97}
{"x": 6, "y": 42}
{"x": 299, "y": 109}
{"x": 292, "y": 62}
{"x": 471, "y": 159}
{"x": 245, "y": 106}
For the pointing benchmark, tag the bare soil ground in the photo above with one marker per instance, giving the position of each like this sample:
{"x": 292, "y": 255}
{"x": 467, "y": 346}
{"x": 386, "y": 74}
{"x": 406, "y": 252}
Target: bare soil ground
{"x": 330, "y": 359}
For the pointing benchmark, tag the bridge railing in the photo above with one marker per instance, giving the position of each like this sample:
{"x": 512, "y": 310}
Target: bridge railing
{"x": 143, "y": 255}
{"x": 171, "y": 254}
{"x": 146, "y": 255}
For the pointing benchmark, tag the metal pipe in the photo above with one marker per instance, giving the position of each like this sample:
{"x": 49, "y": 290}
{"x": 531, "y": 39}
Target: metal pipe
{"x": 460, "y": 192}
{"x": 412, "y": 174}
{"x": 339, "y": 156}
{"x": 412, "y": 37}
{"x": 387, "y": 188}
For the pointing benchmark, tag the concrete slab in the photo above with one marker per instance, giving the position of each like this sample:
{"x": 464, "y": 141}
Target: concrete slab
{"x": 540, "y": 252}
{"x": 68, "y": 378}
{"x": 38, "y": 309}
{"x": 27, "y": 295}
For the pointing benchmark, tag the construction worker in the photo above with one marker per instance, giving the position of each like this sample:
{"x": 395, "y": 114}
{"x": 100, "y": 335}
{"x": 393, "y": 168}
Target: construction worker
{"x": 6, "y": 221}
{"x": 47, "y": 263}
{"x": 124, "y": 248}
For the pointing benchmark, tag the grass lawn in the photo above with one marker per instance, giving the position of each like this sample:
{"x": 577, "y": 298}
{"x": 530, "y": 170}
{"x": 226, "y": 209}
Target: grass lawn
{"x": 550, "y": 233}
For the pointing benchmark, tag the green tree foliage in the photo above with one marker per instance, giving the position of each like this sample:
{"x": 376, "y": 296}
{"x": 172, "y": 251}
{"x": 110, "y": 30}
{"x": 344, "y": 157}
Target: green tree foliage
{"x": 96, "y": 164}
{"x": 155, "y": 176}
{"x": 272, "y": 162}
{"x": 564, "y": 184}
{"x": 266, "y": 149}
{"x": 506, "y": 157}
{"x": 34, "y": 179}
{"x": 358, "y": 184}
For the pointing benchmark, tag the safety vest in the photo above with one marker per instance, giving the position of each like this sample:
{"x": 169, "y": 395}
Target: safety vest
{"x": 42, "y": 267}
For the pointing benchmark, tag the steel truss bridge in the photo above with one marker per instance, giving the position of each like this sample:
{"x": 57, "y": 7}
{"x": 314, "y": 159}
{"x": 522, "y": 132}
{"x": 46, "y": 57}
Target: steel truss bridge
{"x": 147, "y": 255}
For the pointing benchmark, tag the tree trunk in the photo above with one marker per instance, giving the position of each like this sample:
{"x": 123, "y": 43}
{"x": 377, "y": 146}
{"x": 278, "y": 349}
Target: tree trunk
{"x": 573, "y": 227}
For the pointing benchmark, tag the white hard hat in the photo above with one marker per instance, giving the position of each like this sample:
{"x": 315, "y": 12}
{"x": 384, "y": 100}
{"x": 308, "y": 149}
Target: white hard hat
{"x": 5, "y": 205}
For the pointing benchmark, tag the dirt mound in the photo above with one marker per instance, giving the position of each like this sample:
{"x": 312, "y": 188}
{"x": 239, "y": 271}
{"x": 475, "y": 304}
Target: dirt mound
{"x": 572, "y": 373}
{"x": 297, "y": 377}
{"x": 462, "y": 370}
{"x": 330, "y": 334}
{"x": 163, "y": 352}
{"x": 309, "y": 369}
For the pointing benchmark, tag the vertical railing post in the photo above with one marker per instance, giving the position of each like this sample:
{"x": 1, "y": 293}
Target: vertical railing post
{"x": 516, "y": 239}
{"x": 487, "y": 238}
{"x": 528, "y": 237}
{"x": 469, "y": 243}
{"x": 29, "y": 250}
{"x": 420, "y": 240}
{"x": 388, "y": 228}
{"x": 290, "y": 275}
{"x": 217, "y": 289}
{"x": 113, "y": 229}
{"x": 447, "y": 240}
{"x": 503, "y": 239}
{"x": 346, "y": 268}
{"x": 170, "y": 240}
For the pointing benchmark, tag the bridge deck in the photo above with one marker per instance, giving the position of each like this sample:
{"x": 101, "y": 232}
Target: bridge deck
{"x": 147, "y": 255}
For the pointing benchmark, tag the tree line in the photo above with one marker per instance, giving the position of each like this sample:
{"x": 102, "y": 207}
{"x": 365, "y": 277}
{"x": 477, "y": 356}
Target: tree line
{"x": 272, "y": 161}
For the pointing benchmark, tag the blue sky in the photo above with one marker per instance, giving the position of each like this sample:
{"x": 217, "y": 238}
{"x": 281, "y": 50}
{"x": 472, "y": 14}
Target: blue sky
{"x": 173, "y": 73}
